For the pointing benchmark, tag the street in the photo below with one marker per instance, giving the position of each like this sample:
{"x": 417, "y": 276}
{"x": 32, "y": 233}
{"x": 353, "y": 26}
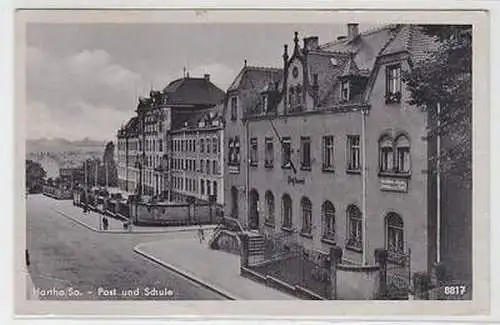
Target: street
{"x": 71, "y": 262}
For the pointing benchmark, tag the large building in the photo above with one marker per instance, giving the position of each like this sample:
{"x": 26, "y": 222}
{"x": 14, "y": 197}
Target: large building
{"x": 145, "y": 144}
{"x": 329, "y": 148}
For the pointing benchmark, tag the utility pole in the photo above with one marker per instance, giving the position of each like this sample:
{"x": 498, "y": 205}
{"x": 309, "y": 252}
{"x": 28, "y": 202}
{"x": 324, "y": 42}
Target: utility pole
{"x": 96, "y": 172}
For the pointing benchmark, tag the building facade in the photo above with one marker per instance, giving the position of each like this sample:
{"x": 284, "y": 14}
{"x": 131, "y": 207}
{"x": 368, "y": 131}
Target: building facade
{"x": 145, "y": 144}
{"x": 329, "y": 148}
{"x": 197, "y": 157}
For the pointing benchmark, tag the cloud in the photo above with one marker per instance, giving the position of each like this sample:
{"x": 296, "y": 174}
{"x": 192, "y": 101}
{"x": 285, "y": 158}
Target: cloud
{"x": 97, "y": 122}
{"x": 80, "y": 93}
{"x": 221, "y": 75}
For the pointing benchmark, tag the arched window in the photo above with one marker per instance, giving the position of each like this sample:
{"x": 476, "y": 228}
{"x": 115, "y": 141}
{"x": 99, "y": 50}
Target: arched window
{"x": 286, "y": 211}
{"x": 234, "y": 202}
{"x": 386, "y": 154}
{"x": 306, "y": 205}
{"x": 354, "y": 223}
{"x": 403, "y": 155}
{"x": 328, "y": 214}
{"x": 395, "y": 234}
{"x": 269, "y": 197}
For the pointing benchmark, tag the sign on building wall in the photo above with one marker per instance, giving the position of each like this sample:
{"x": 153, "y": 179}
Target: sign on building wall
{"x": 393, "y": 184}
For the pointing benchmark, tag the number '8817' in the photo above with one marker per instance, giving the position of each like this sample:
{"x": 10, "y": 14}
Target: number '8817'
{"x": 455, "y": 290}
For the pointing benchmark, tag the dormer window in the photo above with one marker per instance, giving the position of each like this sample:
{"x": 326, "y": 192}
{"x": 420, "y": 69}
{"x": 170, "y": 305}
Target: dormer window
{"x": 393, "y": 84}
{"x": 264, "y": 103}
{"x": 345, "y": 91}
{"x": 234, "y": 108}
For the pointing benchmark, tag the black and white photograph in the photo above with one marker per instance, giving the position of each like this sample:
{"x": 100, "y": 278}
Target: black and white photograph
{"x": 248, "y": 161}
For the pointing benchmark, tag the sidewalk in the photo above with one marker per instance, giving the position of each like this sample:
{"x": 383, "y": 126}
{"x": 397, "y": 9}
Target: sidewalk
{"x": 93, "y": 220}
{"x": 216, "y": 270}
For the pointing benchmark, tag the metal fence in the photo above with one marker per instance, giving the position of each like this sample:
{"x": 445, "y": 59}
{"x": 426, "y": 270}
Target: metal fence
{"x": 398, "y": 275}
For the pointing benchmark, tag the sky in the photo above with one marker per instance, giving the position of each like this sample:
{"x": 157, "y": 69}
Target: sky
{"x": 83, "y": 80}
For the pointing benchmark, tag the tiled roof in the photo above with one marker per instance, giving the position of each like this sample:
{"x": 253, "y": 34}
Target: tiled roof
{"x": 366, "y": 47}
{"x": 249, "y": 74}
{"x": 251, "y": 82}
{"x": 190, "y": 119}
{"x": 193, "y": 91}
{"x": 328, "y": 67}
{"x": 130, "y": 128}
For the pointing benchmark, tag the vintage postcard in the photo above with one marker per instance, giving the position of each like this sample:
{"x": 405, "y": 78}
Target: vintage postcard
{"x": 243, "y": 163}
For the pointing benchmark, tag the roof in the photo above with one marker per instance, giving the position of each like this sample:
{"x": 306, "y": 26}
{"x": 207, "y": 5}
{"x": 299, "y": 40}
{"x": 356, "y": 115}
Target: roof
{"x": 193, "y": 91}
{"x": 130, "y": 128}
{"x": 190, "y": 119}
{"x": 251, "y": 75}
{"x": 251, "y": 82}
{"x": 366, "y": 47}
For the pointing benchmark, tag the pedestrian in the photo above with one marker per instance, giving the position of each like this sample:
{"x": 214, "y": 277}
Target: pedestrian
{"x": 27, "y": 257}
{"x": 201, "y": 234}
{"x": 105, "y": 223}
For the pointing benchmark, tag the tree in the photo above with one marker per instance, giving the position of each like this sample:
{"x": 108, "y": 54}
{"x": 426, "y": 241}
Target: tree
{"x": 34, "y": 175}
{"x": 444, "y": 80}
{"x": 110, "y": 164}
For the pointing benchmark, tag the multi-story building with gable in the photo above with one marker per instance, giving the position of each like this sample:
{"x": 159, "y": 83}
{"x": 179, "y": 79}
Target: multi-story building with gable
{"x": 328, "y": 148}
{"x": 146, "y": 164}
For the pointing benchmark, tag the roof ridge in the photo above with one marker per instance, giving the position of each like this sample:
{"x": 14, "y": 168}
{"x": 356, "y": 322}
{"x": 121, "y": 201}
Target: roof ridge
{"x": 261, "y": 68}
{"x": 330, "y": 53}
{"x": 364, "y": 33}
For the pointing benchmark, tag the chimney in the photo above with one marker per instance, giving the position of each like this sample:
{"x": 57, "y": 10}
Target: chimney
{"x": 311, "y": 43}
{"x": 352, "y": 31}
{"x": 206, "y": 77}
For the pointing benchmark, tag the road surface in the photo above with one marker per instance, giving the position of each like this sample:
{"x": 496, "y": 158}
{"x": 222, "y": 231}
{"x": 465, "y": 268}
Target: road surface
{"x": 71, "y": 262}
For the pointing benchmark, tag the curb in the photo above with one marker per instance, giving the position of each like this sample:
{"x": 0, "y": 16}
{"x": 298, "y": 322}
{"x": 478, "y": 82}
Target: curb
{"x": 123, "y": 231}
{"x": 187, "y": 275}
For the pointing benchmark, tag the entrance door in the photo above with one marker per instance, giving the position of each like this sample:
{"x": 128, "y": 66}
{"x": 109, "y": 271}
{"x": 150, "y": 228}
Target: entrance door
{"x": 254, "y": 210}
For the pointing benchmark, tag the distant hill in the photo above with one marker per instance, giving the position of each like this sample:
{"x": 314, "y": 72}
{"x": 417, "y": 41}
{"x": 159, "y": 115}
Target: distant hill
{"x": 63, "y": 145}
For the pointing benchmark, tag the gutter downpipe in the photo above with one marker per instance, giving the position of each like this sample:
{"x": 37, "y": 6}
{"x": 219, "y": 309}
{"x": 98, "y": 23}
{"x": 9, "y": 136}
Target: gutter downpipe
{"x": 247, "y": 171}
{"x": 363, "y": 180}
{"x": 438, "y": 185}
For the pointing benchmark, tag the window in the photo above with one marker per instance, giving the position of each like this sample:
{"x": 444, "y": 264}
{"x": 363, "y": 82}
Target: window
{"x": 286, "y": 153}
{"x": 298, "y": 93}
{"x": 208, "y": 188}
{"x": 286, "y": 210}
{"x": 305, "y": 144}
{"x": 328, "y": 214}
{"x": 269, "y": 153}
{"x": 344, "y": 91}
{"x": 393, "y": 84}
{"x": 202, "y": 166}
{"x": 231, "y": 152}
{"x": 194, "y": 146}
{"x": 306, "y": 216}
{"x": 354, "y": 222}
{"x": 291, "y": 97}
{"x": 202, "y": 145}
{"x": 354, "y": 153}
{"x": 214, "y": 145}
{"x": 208, "y": 145}
{"x": 234, "y": 108}
{"x": 160, "y": 144}
{"x": 234, "y": 202}
{"x": 215, "y": 189}
{"x": 237, "y": 149}
{"x": 214, "y": 167}
{"x": 202, "y": 187}
{"x": 394, "y": 240}
{"x": 386, "y": 154}
{"x": 253, "y": 152}
{"x": 328, "y": 153}
{"x": 269, "y": 219}
{"x": 403, "y": 155}
{"x": 208, "y": 166}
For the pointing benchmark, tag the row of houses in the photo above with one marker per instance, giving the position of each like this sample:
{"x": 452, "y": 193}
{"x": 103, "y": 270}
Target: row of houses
{"x": 325, "y": 146}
